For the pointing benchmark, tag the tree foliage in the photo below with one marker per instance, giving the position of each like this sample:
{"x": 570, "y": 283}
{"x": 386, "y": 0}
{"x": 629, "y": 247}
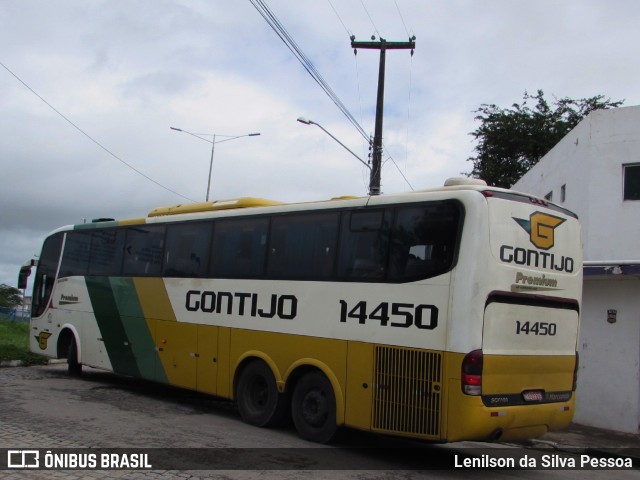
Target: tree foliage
{"x": 9, "y": 296}
{"x": 512, "y": 140}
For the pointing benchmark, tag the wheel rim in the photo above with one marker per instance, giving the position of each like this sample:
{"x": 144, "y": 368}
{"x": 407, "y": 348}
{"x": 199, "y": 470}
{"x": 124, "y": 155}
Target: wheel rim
{"x": 258, "y": 394}
{"x": 314, "y": 408}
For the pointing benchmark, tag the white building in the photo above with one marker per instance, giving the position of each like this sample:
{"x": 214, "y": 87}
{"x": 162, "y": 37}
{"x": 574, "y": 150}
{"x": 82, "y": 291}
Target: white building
{"x": 595, "y": 171}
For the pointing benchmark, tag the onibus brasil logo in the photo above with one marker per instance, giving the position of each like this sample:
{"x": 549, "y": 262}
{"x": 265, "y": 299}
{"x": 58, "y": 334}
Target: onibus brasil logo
{"x": 541, "y": 228}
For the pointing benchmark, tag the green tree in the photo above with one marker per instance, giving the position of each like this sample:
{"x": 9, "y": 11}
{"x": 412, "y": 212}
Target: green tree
{"x": 512, "y": 140}
{"x": 9, "y": 296}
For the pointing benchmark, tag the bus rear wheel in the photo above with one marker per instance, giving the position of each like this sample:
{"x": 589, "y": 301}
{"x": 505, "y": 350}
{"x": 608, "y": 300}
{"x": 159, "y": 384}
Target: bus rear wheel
{"x": 313, "y": 408}
{"x": 257, "y": 396}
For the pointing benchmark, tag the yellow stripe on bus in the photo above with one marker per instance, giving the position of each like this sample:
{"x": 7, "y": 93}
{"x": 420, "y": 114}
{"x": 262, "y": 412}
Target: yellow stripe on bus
{"x": 178, "y": 367}
{"x": 154, "y": 299}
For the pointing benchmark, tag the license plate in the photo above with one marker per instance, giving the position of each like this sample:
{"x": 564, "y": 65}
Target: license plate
{"x": 533, "y": 396}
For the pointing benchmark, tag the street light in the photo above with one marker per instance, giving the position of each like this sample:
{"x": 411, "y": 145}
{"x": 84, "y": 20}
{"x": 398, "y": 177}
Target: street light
{"x": 306, "y": 121}
{"x": 213, "y": 145}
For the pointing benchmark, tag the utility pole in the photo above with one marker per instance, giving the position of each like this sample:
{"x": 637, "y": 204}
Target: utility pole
{"x": 383, "y": 46}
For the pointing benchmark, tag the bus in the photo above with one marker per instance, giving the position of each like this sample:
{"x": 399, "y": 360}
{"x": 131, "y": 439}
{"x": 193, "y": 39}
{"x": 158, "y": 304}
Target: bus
{"x": 444, "y": 315}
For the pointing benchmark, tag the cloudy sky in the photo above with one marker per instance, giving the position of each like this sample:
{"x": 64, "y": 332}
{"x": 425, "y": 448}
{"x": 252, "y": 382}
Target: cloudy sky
{"x": 121, "y": 72}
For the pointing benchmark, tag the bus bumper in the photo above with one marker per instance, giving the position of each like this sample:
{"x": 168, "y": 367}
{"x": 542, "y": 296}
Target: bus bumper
{"x": 469, "y": 419}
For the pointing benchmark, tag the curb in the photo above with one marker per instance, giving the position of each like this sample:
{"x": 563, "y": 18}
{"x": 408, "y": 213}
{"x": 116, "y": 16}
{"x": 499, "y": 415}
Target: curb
{"x": 618, "y": 451}
{"x": 20, "y": 363}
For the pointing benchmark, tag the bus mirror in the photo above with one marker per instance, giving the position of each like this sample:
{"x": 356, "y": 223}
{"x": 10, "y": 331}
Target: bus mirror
{"x": 25, "y": 272}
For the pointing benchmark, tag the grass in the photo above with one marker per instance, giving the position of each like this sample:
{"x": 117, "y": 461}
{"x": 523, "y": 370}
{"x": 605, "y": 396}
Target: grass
{"x": 14, "y": 343}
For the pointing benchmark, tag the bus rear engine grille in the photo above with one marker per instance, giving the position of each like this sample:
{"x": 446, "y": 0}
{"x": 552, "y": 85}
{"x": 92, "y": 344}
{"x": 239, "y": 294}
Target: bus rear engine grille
{"x": 407, "y": 395}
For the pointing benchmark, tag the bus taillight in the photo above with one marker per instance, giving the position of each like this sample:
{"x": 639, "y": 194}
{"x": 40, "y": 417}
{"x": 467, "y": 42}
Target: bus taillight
{"x": 472, "y": 373}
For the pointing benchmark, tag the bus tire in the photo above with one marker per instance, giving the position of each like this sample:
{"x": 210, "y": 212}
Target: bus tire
{"x": 74, "y": 367}
{"x": 313, "y": 408}
{"x": 257, "y": 396}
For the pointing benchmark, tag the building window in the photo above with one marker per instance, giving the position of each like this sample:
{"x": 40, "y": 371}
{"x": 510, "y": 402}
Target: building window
{"x": 631, "y": 182}
{"x": 549, "y": 196}
{"x": 563, "y": 193}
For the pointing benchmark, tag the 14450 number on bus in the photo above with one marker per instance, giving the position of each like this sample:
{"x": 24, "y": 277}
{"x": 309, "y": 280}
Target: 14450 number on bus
{"x": 535, "y": 328}
{"x": 402, "y": 315}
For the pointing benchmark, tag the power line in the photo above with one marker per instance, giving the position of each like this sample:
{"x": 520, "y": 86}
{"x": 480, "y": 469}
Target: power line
{"x": 288, "y": 40}
{"x": 398, "y": 168}
{"x": 370, "y": 19}
{"x": 91, "y": 138}
{"x": 406, "y": 146}
{"x": 340, "y": 19}
{"x": 356, "y": 67}
{"x": 402, "y": 18}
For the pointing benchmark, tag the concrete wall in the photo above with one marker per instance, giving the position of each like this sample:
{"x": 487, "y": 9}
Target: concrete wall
{"x": 608, "y": 392}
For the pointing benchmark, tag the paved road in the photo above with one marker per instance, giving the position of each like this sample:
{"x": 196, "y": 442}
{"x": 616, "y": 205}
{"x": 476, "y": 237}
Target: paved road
{"x": 41, "y": 407}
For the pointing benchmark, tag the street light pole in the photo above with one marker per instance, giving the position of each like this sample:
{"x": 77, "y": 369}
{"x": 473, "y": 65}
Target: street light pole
{"x": 213, "y": 146}
{"x": 306, "y": 121}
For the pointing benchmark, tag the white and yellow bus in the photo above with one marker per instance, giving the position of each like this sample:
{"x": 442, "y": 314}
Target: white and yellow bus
{"x": 441, "y": 315}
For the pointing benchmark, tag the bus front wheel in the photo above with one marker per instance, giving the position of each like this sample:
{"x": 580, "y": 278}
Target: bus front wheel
{"x": 313, "y": 408}
{"x": 257, "y": 396}
{"x": 74, "y": 367}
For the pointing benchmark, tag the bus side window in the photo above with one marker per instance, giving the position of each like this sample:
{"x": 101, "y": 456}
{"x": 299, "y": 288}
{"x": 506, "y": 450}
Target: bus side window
{"x": 239, "y": 248}
{"x": 364, "y": 245}
{"x": 75, "y": 258}
{"x": 187, "y": 253}
{"x": 423, "y": 241}
{"x": 303, "y": 246}
{"x": 143, "y": 251}
{"x": 46, "y": 274}
{"x": 106, "y": 251}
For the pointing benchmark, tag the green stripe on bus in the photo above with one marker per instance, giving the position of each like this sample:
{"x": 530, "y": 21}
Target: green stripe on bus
{"x": 113, "y": 334}
{"x": 137, "y": 329}
{"x": 92, "y": 225}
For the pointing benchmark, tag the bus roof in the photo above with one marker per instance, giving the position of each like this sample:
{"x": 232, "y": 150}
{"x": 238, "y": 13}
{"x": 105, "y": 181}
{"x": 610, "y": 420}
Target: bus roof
{"x": 451, "y": 185}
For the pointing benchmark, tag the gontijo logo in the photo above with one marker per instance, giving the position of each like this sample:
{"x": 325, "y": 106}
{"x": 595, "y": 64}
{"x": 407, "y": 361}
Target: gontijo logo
{"x": 541, "y": 228}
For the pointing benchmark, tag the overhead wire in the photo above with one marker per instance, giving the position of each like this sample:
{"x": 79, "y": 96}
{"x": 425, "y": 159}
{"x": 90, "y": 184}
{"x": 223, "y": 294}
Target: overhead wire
{"x": 357, "y": 68}
{"x": 389, "y": 157}
{"x": 370, "y": 19}
{"x": 91, "y": 138}
{"x": 368, "y": 140}
{"x": 406, "y": 147}
{"x": 340, "y": 19}
{"x": 288, "y": 40}
{"x": 402, "y": 18}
